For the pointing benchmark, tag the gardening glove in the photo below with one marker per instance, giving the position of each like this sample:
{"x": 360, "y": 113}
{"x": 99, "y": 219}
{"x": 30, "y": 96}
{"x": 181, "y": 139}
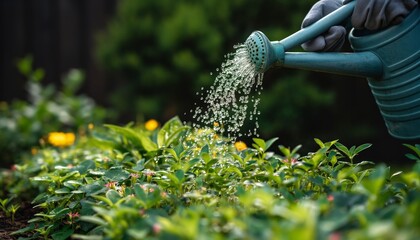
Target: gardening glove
{"x": 377, "y": 14}
{"x": 334, "y": 38}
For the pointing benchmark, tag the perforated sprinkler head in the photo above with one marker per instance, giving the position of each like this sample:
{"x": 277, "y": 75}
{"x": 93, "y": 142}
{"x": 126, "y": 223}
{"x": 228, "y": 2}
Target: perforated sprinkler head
{"x": 261, "y": 51}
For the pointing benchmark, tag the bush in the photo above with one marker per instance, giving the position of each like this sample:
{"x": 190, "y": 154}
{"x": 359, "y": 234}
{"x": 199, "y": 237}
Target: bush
{"x": 26, "y": 124}
{"x": 176, "y": 182}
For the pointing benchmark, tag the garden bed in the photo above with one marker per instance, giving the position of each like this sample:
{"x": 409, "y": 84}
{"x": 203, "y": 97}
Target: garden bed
{"x": 176, "y": 182}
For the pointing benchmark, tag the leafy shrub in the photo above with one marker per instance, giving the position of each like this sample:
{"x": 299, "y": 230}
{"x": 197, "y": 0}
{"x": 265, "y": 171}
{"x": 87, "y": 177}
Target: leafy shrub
{"x": 176, "y": 182}
{"x": 24, "y": 123}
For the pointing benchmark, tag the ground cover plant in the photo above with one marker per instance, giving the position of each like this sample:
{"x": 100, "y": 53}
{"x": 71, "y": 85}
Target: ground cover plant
{"x": 176, "y": 182}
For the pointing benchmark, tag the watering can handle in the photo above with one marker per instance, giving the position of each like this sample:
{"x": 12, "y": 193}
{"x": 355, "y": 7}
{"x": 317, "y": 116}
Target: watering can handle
{"x": 319, "y": 27}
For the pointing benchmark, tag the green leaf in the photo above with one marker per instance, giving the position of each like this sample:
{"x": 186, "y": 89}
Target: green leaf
{"x": 38, "y": 74}
{"x": 234, "y": 170}
{"x": 139, "y": 192}
{"x": 92, "y": 189}
{"x": 138, "y": 138}
{"x": 285, "y": 151}
{"x": 137, "y": 233}
{"x": 206, "y": 157}
{"x": 412, "y": 157}
{"x": 210, "y": 163}
{"x": 62, "y": 191}
{"x": 103, "y": 199}
{"x": 62, "y": 234}
{"x": 139, "y": 165}
{"x": 179, "y": 174}
{"x": 113, "y": 195}
{"x": 84, "y": 166}
{"x": 87, "y": 237}
{"x": 205, "y": 149}
{"x": 343, "y": 148}
{"x": 117, "y": 174}
{"x": 362, "y": 147}
{"x": 190, "y": 164}
{"x": 260, "y": 143}
{"x": 319, "y": 142}
{"x": 376, "y": 179}
{"x": 93, "y": 219}
{"x": 295, "y": 150}
{"x": 173, "y": 178}
{"x": 169, "y": 132}
{"x": 415, "y": 148}
{"x": 25, "y": 65}
{"x": 29, "y": 228}
{"x": 269, "y": 143}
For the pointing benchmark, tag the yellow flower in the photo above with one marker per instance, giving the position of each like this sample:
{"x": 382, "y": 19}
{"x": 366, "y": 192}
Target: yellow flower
{"x": 34, "y": 151}
{"x": 151, "y": 125}
{"x": 61, "y": 139}
{"x": 240, "y": 146}
{"x": 91, "y": 126}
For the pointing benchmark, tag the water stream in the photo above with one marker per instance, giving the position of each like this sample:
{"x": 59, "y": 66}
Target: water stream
{"x": 229, "y": 102}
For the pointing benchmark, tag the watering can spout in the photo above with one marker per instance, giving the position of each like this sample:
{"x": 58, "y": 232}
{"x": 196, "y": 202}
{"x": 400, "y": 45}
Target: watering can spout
{"x": 389, "y": 59}
{"x": 363, "y": 64}
{"x": 265, "y": 54}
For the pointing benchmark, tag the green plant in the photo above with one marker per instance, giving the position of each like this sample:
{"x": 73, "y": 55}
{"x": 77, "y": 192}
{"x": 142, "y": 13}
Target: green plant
{"x": 176, "y": 182}
{"x": 25, "y": 124}
{"x": 8, "y": 208}
{"x": 416, "y": 149}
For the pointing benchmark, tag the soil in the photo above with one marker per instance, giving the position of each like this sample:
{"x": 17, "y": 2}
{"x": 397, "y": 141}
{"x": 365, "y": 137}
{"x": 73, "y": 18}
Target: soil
{"x": 25, "y": 213}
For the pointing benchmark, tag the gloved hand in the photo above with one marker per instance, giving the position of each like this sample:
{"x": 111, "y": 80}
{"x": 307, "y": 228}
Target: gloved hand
{"x": 367, "y": 14}
{"x": 378, "y": 14}
{"x": 334, "y": 38}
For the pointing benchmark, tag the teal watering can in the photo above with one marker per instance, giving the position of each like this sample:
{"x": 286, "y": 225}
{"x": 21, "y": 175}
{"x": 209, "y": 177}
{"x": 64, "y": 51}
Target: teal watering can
{"x": 389, "y": 59}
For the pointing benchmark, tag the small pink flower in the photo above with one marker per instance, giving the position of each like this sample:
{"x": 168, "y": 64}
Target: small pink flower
{"x": 330, "y": 198}
{"x": 293, "y": 161}
{"x": 13, "y": 167}
{"x": 111, "y": 185}
{"x": 156, "y": 228}
{"x": 163, "y": 194}
{"x": 134, "y": 175}
{"x": 334, "y": 236}
{"x": 142, "y": 212}
{"x": 149, "y": 173}
{"x": 73, "y": 215}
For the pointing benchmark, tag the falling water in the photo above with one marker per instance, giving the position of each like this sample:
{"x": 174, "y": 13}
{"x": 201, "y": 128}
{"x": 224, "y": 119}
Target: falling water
{"x": 227, "y": 102}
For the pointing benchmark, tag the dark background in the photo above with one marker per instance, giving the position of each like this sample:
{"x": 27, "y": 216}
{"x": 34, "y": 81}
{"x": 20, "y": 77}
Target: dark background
{"x": 65, "y": 34}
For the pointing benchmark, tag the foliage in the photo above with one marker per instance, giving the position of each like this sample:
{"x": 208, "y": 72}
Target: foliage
{"x": 164, "y": 52}
{"x": 24, "y": 123}
{"x": 176, "y": 182}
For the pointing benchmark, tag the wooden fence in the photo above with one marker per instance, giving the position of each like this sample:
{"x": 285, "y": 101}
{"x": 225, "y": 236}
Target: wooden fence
{"x": 59, "y": 34}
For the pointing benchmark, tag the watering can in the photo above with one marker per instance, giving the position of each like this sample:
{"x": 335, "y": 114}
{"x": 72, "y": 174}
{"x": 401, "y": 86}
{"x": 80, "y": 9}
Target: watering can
{"x": 389, "y": 59}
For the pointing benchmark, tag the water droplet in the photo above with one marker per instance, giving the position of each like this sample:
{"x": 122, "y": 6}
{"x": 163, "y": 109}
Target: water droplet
{"x": 228, "y": 98}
